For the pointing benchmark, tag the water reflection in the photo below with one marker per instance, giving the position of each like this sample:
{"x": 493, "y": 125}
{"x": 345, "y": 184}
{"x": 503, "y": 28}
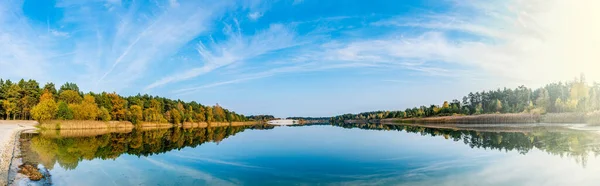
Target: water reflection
{"x": 68, "y": 149}
{"x": 559, "y": 141}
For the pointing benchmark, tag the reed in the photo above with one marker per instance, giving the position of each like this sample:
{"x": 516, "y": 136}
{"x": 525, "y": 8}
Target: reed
{"x": 151, "y": 125}
{"x": 475, "y": 119}
{"x": 563, "y": 118}
{"x": 84, "y": 124}
{"x": 82, "y": 132}
{"x": 593, "y": 117}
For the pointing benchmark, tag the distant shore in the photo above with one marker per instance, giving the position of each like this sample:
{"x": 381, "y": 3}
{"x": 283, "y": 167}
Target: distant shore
{"x": 519, "y": 118}
{"x": 8, "y": 132}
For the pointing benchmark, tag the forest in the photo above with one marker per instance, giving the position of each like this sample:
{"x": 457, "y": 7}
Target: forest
{"x": 26, "y": 100}
{"x": 575, "y": 96}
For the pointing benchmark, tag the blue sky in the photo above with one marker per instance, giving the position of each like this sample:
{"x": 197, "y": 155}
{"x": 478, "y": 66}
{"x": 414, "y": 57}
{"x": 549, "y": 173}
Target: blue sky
{"x": 299, "y": 57}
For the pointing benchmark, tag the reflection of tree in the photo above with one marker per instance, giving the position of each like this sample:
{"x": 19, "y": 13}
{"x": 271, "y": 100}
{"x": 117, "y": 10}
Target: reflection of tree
{"x": 570, "y": 143}
{"x": 68, "y": 152}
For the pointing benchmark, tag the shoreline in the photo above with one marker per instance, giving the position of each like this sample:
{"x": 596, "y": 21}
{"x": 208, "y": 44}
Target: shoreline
{"x": 8, "y": 139}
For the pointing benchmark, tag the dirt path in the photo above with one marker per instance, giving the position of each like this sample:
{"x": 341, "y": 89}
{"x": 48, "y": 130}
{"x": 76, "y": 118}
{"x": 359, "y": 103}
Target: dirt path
{"x": 8, "y": 130}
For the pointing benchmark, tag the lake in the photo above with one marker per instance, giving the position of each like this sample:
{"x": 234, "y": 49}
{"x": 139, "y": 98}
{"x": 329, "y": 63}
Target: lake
{"x": 340, "y": 154}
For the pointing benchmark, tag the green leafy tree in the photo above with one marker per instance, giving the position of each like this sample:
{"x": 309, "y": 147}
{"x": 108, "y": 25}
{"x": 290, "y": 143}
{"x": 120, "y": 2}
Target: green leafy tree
{"x": 68, "y": 86}
{"x": 64, "y": 112}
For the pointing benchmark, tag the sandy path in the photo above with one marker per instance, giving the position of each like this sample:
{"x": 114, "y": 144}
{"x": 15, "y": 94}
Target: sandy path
{"x": 8, "y": 130}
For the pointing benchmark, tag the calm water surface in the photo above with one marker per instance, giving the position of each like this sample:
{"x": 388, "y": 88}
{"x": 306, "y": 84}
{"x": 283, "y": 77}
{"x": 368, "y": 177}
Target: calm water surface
{"x": 319, "y": 154}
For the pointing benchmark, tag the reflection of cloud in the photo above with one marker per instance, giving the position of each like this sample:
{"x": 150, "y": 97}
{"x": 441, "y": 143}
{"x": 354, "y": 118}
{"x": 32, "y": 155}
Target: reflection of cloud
{"x": 218, "y": 161}
{"x": 535, "y": 168}
{"x": 181, "y": 170}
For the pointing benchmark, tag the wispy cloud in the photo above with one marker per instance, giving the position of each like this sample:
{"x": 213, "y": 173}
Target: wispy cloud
{"x": 22, "y": 47}
{"x": 236, "y": 49}
{"x": 509, "y": 39}
{"x": 183, "y": 170}
{"x": 127, "y": 38}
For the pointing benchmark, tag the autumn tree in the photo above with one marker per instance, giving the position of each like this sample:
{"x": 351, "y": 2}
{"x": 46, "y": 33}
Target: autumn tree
{"x": 8, "y": 108}
{"x": 175, "y": 116}
{"x": 70, "y": 97}
{"x": 46, "y": 109}
{"x": 103, "y": 114}
{"x": 118, "y": 107}
{"x": 87, "y": 110}
{"x": 218, "y": 113}
{"x": 498, "y": 105}
{"x": 208, "y": 114}
{"x": 136, "y": 114}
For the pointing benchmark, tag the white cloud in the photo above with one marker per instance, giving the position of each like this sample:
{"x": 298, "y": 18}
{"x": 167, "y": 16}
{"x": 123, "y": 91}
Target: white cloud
{"x": 254, "y": 15}
{"x": 59, "y": 33}
{"x": 532, "y": 42}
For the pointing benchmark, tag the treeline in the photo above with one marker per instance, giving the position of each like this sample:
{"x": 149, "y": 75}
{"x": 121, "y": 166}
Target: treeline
{"x": 25, "y": 100}
{"x": 310, "y": 118}
{"x": 573, "y": 96}
{"x": 261, "y": 117}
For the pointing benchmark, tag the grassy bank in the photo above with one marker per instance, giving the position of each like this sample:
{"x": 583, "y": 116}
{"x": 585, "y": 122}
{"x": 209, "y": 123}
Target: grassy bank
{"x": 521, "y": 118}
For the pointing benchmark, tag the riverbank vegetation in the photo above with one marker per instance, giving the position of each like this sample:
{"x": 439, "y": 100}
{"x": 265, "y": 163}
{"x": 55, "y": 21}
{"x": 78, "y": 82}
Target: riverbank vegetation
{"x": 574, "y": 101}
{"x": 26, "y": 100}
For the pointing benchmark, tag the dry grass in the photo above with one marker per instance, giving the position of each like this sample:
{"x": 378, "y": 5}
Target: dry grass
{"x": 149, "y": 125}
{"x": 593, "y": 117}
{"x": 83, "y": 132}
{"x": 85, "y": 124}
{"x": 563, "y": 118}
{"x": 475, "y": 119}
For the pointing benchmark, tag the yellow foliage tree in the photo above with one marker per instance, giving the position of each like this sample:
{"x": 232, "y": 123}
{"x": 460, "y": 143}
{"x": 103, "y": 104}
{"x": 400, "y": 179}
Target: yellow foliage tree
{"x": 87, "y": 110}
{"x": 136, "y": 115}
{"x": 9, "y": 107}
{"x": 118, "y": 107}
{"x": 70, "y": 97}
{"x": 103, "y": 114}
{"x": 46, "y": 109}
